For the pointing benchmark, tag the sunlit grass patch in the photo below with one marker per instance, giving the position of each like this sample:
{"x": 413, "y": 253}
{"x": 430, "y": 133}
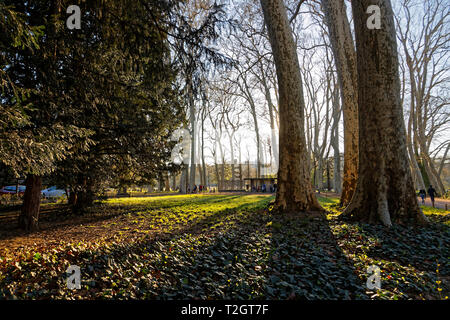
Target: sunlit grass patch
{"x": 436, "y": 211}
{"x": 437, "y": 215}
{"x": 331, "y": 205}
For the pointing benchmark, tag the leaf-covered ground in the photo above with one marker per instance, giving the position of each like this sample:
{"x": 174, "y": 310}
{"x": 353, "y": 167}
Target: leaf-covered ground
{"x": 222, "y": 247}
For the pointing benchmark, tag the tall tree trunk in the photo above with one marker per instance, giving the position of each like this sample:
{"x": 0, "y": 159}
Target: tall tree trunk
{"x": 328, "y": 176}
{"x": 230, "y": 136}
{"x": 84, "y": 195}
{"x": 84, "y": 199}
{"x": 174, "y": 181}
{"x": 193, "y": 136}
{"x": 258, "y": 143}
{"x": 160, "y": 182}
{"x": 432, "y": 173}
{"x": 255, "y": 121}
{"x": 222, "y": 168}
{"x": 199, "y": 156}
{"x": 273, "y": 136}
{"x": 240, "y": 168}
{"x": 221, "y": 181}
{"x": 385, "y": 191}
{"x": 345, "y": 57}
{"x": 337, "y": 171}
{"x": 319, "y": 174}
{"x": 183, "y": 178}
{"x": 412, "y": 123}
{"x": 222, "y": 175}
{"x": 444, "y": 158}
{"x": 417, "y": 175}
{"x": 73, "y": 197}
{"x": 334, "y": 140}
{"x": 203, "y": 152}
{"x": 263, "y": 161}
{"x": 29, "y": 215}
{"x": 216, "y": 167}
{"x": 200, "y": 174}
{"x": 166, "y": 181}
{"x": 294, "y": 185}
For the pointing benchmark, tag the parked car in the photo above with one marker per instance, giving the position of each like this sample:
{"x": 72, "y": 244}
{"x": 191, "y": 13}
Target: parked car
{"x": 53, "y": 192}
{"x": 12, "y": 190}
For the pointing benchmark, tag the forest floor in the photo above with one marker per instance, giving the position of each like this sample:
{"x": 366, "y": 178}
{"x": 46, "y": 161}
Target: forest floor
{"x": 220, "y": 246}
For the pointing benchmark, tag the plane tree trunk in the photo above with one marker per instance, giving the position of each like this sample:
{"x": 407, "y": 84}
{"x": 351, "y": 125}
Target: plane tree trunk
{"x": 345, "y": 57}
{"x": 385, "y": 190}
{"x": 294, "y": 185}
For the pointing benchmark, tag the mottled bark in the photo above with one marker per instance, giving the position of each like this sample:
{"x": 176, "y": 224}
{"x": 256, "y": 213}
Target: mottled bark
{"x": 385, "y": 191}
{"x": 29, "y": 215}
{"x": 294, "y": 185}
{"x": 345, "y": 57}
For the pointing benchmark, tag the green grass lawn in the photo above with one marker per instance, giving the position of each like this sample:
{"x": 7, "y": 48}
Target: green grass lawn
{"x": 233, "y": 247}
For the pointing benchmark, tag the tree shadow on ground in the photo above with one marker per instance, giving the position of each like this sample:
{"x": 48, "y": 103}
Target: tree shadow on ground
{"x": 408, "y": 256}
{"x": 264, "y": 256}
{"x": 420, "y": 247}
{"x": 308, "y": 261}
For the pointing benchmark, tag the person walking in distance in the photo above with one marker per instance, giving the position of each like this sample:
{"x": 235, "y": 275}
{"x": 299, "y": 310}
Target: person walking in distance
{"x": 431, "y": 193}
{"x": 422, "y": 195}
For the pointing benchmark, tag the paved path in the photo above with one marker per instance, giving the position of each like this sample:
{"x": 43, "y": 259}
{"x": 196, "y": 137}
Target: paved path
{"x": 438, "y": 203}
